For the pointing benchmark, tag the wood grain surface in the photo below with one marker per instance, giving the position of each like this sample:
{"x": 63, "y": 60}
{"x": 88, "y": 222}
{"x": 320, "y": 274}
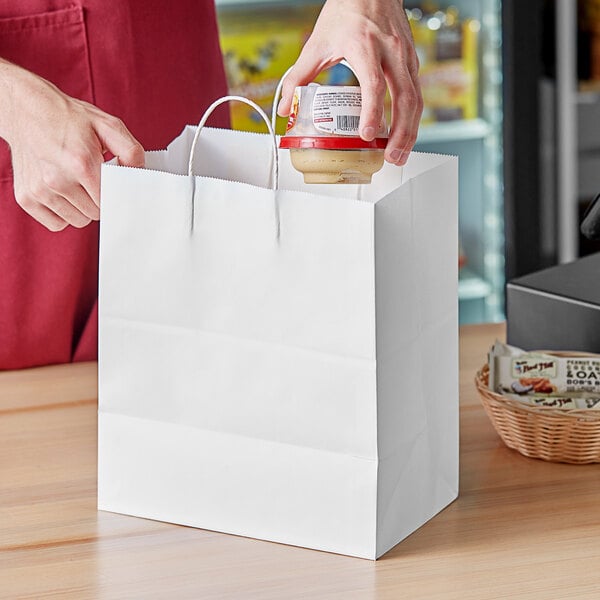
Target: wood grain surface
{"x": 521, "y": 528}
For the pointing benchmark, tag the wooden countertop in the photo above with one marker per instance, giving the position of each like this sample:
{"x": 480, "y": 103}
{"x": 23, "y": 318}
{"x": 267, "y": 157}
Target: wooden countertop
{"x": 521, "y": 528}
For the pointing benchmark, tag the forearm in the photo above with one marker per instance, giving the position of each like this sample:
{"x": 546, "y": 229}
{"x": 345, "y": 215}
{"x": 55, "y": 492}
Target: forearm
{"x": 9, "y": 75}
{"x": 19, "y": 89}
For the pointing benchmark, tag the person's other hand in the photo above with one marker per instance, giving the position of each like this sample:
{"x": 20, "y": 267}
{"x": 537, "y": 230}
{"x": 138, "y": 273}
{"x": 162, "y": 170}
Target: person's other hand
{"x": 375, "y": 38}
{"x": 57, "y": 146}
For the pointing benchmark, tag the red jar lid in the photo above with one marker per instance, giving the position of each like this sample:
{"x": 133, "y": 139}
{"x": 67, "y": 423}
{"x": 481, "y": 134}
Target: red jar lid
{"x": 331, "y": 143}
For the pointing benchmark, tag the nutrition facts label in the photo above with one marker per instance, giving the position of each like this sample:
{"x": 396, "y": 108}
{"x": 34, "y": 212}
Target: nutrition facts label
{"x": 337, "y": 110}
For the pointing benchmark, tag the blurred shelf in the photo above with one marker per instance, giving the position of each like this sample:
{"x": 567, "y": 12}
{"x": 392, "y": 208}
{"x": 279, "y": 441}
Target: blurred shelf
{"x": 452, "y": 131}
{"x": 587, "y": 97}
{"x": 588, "y": 92}
{"x": 471, "y": 286}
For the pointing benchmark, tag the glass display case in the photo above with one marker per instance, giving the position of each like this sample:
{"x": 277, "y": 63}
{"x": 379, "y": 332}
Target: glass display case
{"x": 459, "y": 48}
{"x": 464, "y": 71}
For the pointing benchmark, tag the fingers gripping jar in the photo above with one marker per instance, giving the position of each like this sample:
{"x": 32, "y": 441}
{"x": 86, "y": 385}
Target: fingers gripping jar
{"x": 322, "y": 136}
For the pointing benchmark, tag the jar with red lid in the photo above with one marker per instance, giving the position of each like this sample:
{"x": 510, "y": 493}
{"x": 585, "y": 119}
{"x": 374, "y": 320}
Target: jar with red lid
{"x": 323, "y": 139}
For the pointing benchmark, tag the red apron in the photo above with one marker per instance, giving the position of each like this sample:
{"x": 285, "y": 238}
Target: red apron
{"x": 156, "y": 65}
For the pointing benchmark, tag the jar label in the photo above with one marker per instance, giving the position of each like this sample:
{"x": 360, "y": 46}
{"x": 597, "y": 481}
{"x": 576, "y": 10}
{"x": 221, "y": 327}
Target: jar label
{"x": 293, "y": 116}
{"x": 337, "y": 110}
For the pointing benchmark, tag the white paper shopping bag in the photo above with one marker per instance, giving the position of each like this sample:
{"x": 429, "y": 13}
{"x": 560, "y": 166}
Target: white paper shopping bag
{"x": 278, "y": 360}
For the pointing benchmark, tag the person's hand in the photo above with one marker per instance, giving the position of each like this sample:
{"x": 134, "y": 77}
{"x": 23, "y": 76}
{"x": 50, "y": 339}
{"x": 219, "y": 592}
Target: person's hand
{"x": 374, "y": 37}
{"x": 57, "y": 146}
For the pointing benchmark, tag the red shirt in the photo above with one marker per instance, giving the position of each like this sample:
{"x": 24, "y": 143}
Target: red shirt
{"x": 156, "y": 65}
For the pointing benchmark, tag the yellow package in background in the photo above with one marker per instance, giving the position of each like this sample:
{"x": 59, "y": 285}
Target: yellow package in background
{"x": 258, "y": 46}
{"x": 449, "y": 74}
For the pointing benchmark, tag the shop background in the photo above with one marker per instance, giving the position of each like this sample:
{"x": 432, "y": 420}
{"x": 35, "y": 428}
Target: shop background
{"x": 460, "y": 48}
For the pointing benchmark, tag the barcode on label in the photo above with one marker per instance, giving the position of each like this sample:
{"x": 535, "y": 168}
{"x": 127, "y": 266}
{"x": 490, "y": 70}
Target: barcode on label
{"x": 347, "y": 122}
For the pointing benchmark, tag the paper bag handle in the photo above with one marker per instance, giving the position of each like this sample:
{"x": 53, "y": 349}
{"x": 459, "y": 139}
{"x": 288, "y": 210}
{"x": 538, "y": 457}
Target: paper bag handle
{"x": 260, "y": 111}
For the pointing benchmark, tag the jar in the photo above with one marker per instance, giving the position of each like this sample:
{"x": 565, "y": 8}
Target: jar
{"x": 322, "y": 136}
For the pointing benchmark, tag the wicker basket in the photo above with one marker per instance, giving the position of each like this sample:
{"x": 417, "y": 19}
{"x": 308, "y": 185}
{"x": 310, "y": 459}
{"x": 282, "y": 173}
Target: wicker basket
{"x": 557, "y": 435}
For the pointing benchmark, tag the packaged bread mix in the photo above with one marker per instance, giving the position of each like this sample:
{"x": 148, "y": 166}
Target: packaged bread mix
{"x": 537, "y": 378}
